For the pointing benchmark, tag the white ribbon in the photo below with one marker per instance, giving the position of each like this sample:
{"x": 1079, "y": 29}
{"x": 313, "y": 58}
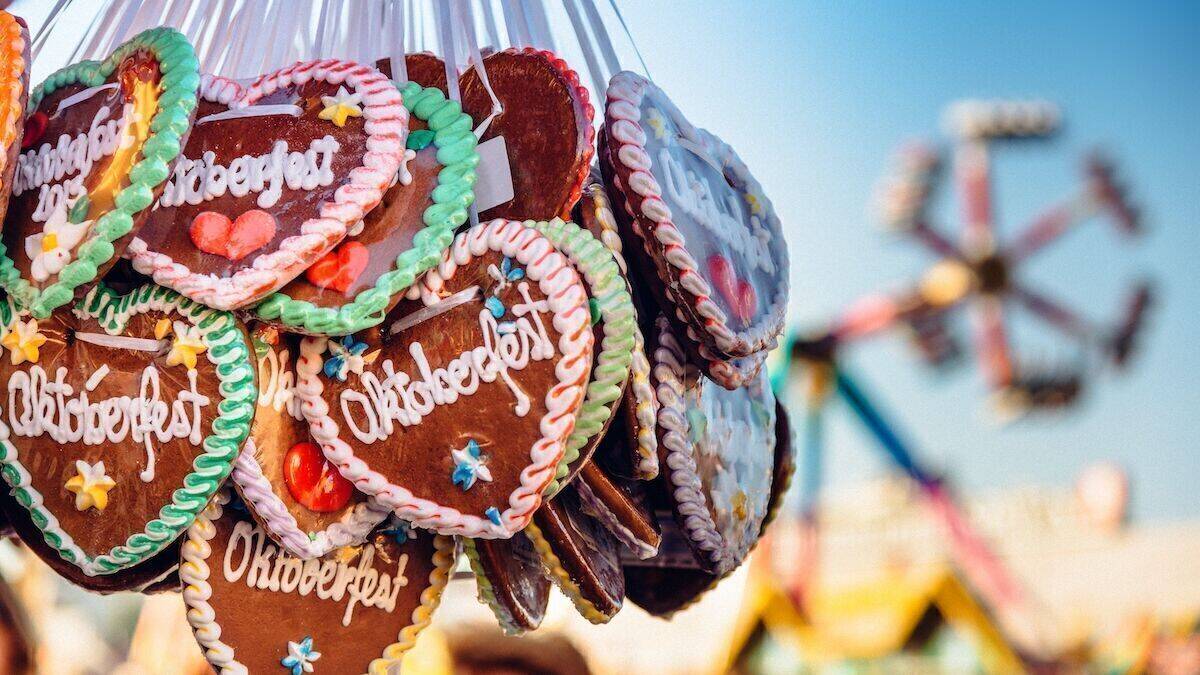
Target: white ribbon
{"x": 441, "y": 307}
{"x": 122, "y": 342}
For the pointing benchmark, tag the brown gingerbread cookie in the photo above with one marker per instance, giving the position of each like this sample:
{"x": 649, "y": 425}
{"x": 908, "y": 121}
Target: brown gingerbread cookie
{"x": 671, "y": 581}
{"x": 357, "y": 609}
{"x": 621, "y": 505}
{"x": 454, "y": 413}
{"x": 785, "y": 463}
{"x": 712, "y": 238}
{"x": 294, "y": 493}
{"x": 273, "y": 177}
{"x": 510, "y": 580}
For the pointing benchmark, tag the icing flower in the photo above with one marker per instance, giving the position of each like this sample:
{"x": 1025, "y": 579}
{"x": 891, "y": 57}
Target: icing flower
{"x": 49, "y": 251}
{"x": 23, "y": 341}
{"x": 341, "y": 106}
{"x": 505, "y": 274}
{"x": 90, "y": 485}
{"x": 345, "y": 357}
{"x": 657, "y": 123}
{"x": 469, "y": 466}
{"x": 186, "y": 345}
{"x": 300, "y": 656}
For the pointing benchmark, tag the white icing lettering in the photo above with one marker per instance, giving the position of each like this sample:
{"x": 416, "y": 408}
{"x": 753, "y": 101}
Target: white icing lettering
{"x": 195, "y": 181}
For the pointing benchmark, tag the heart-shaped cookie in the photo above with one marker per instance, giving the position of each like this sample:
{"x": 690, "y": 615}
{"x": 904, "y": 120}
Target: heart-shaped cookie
{"x": 637, "y": 412}
{"x": 400, "y": 239}
{"x": 613, "y": 324}
{"x": 455, "y": 412}
{"x": 125, "y": 414}
{"x": 510, "y": 580}
{"x": 621, "y": 506}
{"x": 14, "y": 94}
{"x": 110, "y": 130}
{"x": 314, "y": 145}
{"x": 717, "y": 450}
{"x": 358, "y": 609}
{"x": 297, "y": 496}
{"x": 546, "y": 123}
{"x": 708, "y": 233}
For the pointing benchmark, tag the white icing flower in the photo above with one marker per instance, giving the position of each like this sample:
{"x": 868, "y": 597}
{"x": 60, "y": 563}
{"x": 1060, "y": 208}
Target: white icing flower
{"x": 300, "y": 656}
{"x": 657, "y": 123}
{"x": 50, "y": 250}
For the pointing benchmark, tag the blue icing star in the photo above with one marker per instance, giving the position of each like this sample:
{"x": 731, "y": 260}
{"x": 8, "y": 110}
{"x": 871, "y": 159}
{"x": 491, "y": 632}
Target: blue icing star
{"x": 511, "y": 273}
{"x": 401, "y": 532}
{"x": 469, "y": 466}
{"x": 300, "y": 657}
{"x": 493, "y": 514}
{"x": 345, "y": 355}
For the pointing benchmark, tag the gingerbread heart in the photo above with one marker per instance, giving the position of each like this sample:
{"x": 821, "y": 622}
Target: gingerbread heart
{"x": 510, "y": 580}
{"x": 111, "y": 129}
{"x": 706, "y": 231}
{"x": 455, "y": 412}
{"x": 313, "y": 145}
{"x": 546, "y": 123}
{"x": 14, "y": 94}
{"x": 717, "y": 450}
{"x": 294, "y": 493}
{"x": 125, "y": 414}
{"x": 399, "y": 239}
{"x": 358, "y": 609}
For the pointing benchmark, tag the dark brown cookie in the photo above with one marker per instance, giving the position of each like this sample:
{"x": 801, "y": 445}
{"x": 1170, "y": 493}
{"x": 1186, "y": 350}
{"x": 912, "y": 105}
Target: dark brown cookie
{"x": 511, "y": 581}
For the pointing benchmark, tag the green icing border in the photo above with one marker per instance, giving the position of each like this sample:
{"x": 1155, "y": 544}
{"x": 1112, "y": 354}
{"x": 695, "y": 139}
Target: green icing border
{"x": 176, "y": 106}
{"x": 605, "y": 284}
{"x": 228, "y": 349}
{"x": 452, "y": 198}
{"x": 487, "y": 593}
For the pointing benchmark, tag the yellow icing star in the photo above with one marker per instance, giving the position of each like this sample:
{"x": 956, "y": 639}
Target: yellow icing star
{"x": 657, "y": 123}
{"x": 23, "y": 341}
{"x": 162, "y": 328}
{"x": 90, "y": 485}
{"x": 340, "y": 107}
{"x": 755, "y": 203}
{"x": 186, "y": 346}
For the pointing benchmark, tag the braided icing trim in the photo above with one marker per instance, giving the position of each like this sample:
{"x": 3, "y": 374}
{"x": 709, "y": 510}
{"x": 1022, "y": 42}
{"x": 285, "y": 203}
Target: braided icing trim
{"x": 228, "y": 352}
{"x": 562, "y": 579}
{"x": 386, "y": 125}
{"x": 670, "y": 372}
{"x": 451, "y": 200}
{"x": 644, "y": 401}
{"x": 611, "y": 367}
{"x": 622, "y": 117}
{"x": 445, "y": 557}
{"x": 571, "y": 318}
{"x": 281, "y": 525}
{"x": 172, "y": 120}
{"x": 14, "y": 38}
{"x": 486, "y": 592}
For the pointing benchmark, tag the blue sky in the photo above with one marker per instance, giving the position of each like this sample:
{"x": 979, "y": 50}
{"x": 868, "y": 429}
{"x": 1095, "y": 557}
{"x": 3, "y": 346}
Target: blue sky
{"x": 816, "y": 96}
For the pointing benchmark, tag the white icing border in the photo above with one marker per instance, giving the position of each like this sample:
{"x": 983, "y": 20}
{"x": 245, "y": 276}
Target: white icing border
{"x": 622, "y": 121}
{"x": 194, "y": 572}
{"x": 279, "y": 523}
{"x": 386, "y": 124}
{"x": 571, "y": 318}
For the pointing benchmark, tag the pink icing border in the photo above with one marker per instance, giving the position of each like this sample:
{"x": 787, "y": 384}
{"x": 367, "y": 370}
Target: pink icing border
{"x": 571, "y": 318}
{"x": 386, "y": 124}
{"x": 622, "y": 123}
{"x": 281, "y": 525}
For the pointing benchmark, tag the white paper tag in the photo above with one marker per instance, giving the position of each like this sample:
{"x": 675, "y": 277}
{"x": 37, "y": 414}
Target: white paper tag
{"x": 493, "y": 182}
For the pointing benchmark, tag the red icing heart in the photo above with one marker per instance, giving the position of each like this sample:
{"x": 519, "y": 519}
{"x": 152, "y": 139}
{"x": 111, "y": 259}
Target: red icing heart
{"x": 738, "y": 293}
{"x": 35, "y": 126}
{"x": 214, "y": 233}
{"x": 340, "y": 268}
{"x": 313, "y": 481}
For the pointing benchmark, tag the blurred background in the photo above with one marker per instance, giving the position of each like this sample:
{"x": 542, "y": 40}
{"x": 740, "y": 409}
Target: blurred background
{"x": 1093, "y": 510}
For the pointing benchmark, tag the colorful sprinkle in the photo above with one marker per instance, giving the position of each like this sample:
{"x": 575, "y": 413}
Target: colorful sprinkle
{"x": 493, "y": 514}
{"x": 494, "y": 306}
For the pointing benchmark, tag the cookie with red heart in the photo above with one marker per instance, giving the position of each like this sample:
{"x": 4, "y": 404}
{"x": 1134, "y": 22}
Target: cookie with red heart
{"x": 255, "y": 608}
{"x": 717, "y": 450}
{"x": 125, "y": 414}
{"x": 357, "y": 283}
{"x": 581, "y": 556}
{"x": 510, "y": 580}
{"x": 97, "y": 149}
{"x": 545, "y": 120}
{"x": 635, "y": 417}
{"x": 295, "y": 494}
{"x": 272, "y": 178}
{"x": 455, "y": 411}
{"x": 708, "y": 234}
{"x": 14, "y": 94}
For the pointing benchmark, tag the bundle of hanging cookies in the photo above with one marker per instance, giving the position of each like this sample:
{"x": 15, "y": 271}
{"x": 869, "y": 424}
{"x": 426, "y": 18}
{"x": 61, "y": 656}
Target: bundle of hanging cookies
{"x": 263, "y": 345}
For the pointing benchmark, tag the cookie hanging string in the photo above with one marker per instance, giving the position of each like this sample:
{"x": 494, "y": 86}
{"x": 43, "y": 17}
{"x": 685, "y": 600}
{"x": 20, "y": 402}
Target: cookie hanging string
{"x": 426, "y": 313}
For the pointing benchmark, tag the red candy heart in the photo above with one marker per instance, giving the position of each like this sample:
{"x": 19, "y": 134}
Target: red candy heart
{"x": 35, "y": 126}
{"x": 214, "y": 233}
{"x": 738, "y": 293}
{"x": 340, "y": 268}
{"x": 747, "y": 301}
{"x": 313, "y": 481}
